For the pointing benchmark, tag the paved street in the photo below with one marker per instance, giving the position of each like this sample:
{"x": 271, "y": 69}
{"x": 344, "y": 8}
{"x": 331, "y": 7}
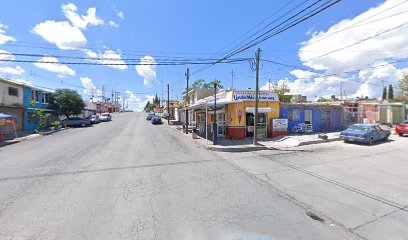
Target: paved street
{"x": 128, "y": 179}
{"x": 363, "y": 188}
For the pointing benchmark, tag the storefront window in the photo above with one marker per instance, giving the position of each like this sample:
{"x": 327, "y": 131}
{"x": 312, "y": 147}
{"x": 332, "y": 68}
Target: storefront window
{"x": 294, "y": 115}
{"x": 325, "y": 115}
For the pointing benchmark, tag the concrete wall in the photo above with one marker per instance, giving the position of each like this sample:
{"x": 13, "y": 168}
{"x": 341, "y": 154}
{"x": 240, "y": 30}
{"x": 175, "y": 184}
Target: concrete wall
{"x": 6, "y": 99}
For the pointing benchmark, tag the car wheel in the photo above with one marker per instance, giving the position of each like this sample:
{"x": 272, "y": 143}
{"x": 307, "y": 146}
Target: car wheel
{"x": 371, "y": 141}
{"x": 83, "y": 124}
{"x": 400, "y": 134}
{"x": 386, "y": 138}
{"x": 346, "y": 141}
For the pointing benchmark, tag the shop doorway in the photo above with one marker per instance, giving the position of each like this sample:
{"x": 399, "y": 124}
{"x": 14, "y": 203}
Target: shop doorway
{"x": 262, "y": 126}
{"x": 221, "y": 124}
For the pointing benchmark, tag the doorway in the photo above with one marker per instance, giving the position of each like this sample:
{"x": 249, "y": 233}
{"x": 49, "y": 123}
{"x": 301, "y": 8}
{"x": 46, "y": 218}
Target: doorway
{"x": 262, "y": 125}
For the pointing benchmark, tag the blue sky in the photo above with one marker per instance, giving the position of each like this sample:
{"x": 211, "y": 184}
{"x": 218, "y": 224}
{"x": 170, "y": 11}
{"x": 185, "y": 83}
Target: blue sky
{"x": 187, "y": 29}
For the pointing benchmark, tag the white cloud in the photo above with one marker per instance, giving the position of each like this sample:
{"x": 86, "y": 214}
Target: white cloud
{"x": 369, "y": 54}
{"x": 89, "y": 86}
{"x": 3, "y": 37}
{"x": 12, "y": 70}
{"x": 61, "y": 34}
{"x": 8, "y": 68}
{"x": 55, "y": 66}
{"x": 136, "y": 103}
{"x": 113, "y": 24}
{"x": 81, "y": 22}
{"x": 120, "y": 14}
{"x": 107, "y": 57}
{"x": 389, "y": 45}
{"x": 148, "y": 72}
{"x": 303, "y": 74}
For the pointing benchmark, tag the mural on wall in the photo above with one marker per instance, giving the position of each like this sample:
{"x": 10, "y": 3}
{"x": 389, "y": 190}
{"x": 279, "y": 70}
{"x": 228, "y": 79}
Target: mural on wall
{"x": 228, "y": 119}
{"x": 239, "y": 116}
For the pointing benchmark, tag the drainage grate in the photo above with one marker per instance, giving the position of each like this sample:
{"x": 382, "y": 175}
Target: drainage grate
{"x": 314, "y": 217}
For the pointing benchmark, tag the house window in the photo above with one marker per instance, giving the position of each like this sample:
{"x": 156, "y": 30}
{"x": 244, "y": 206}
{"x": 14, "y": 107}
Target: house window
{"x": 45, "y": 98}
{"x": 294, "y": 115}
{"x": 325, "y": 115}
{"x": 13, "y": 91}
{"x": 35, "y": 95}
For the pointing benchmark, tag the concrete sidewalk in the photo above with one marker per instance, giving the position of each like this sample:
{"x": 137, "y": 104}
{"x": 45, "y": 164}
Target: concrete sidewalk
{"x": 246, "y": 145}
{"x": 28, "y": 137}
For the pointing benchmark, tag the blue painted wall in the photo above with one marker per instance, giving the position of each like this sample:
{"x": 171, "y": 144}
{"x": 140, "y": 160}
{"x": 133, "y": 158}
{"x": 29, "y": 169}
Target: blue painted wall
{"x": 28, "y": 112}
{"x": 317, "y": 122}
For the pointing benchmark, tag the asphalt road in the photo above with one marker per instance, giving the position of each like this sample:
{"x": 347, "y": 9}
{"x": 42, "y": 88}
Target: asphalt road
{"x": 128, "y": 179}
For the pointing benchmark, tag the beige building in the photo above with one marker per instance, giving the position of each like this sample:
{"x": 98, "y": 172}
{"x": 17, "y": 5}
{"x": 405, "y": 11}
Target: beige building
{"x": 11, "y": 103}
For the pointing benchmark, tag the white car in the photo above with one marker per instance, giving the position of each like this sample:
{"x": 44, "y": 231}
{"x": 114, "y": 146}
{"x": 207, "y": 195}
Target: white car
{"x": 105, "y": 117}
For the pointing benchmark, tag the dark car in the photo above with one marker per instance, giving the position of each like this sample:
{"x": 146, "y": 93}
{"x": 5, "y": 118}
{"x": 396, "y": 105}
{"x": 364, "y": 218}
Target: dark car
{"x": 364, "y": 133}
{"x": 156, "y": 120}
{"x": 402, "y": 128}
{"x": 76, "y": 122}
{"x": 150, "y": 116}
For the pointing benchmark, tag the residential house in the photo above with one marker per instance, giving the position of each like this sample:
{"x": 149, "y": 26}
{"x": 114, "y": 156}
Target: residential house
{"x": 322, "y": 117}
{"x": 173, "y": 106}
{"x": 194, "y": 95}
{"x": 11, "y": 103}
{"x": 35, "y": 98}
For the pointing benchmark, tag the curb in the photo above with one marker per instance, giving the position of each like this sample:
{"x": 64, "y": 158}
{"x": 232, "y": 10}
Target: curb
{"x": 318, "y": 142}
{"x": 237, "y": 149}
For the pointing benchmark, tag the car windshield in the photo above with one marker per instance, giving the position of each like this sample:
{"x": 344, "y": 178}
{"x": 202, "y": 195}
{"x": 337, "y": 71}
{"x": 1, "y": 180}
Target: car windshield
{"x": 105, "y": 115}
{"x": 359, "y": 128}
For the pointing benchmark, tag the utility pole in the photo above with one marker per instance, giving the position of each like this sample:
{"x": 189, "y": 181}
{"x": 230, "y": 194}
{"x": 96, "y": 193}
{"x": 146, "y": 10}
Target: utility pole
{"x": 188, "y": 76}
{"x": 258, "y": 56}
{"x": 232, "y": 79}
{"x": 215, "y": 128}
{"x": 168, "y": 104}
{"x": 341, "y": 91}
{"x": 123, "y": 102}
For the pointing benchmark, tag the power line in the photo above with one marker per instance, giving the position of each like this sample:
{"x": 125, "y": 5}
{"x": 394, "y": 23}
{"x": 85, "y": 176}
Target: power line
{"x": 357, "y": 23}
{"x": 268, "y": 34}
{"x": 358, "y": 42}
{"x": 123, "y": 64}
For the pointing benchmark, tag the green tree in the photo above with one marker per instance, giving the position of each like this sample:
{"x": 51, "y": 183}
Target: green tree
{"x": 210, "y": 85}
{"x": 147, "y": 105}
{"x": 390, "y": 92}
{"x": 384, "y": 95}
{"x": 403, "y": 94}
{"x": 281, "y": 90}
{"x": 198, "y": 84}
{"x": 67, "y": 102}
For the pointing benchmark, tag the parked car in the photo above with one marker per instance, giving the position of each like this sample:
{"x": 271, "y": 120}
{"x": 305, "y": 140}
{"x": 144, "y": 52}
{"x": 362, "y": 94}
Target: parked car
{"x": 95, "y": 119}
{"x": 364, "y": 133}
{"x": 165, "y": 115}
{"x": 150, "y": 116}
{"x": 105, "y": 117}
{"x": 402, "y": 128}
{"x": 76, "y": 122}
{"x": 156, "y": 120}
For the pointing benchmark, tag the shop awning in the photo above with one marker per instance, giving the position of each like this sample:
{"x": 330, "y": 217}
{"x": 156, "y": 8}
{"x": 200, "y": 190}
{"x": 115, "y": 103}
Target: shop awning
{"x": 260, "y": 110}
{"x": 5, "y": 116}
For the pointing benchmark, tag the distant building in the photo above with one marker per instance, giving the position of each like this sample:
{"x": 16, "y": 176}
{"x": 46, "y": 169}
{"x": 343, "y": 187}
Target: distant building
{"x": 173, "y": 107}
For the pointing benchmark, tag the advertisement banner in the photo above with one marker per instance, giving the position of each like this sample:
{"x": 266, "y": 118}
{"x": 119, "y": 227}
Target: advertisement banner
{"x": 263, "y": 96}
{"x": 280, "y": 125}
